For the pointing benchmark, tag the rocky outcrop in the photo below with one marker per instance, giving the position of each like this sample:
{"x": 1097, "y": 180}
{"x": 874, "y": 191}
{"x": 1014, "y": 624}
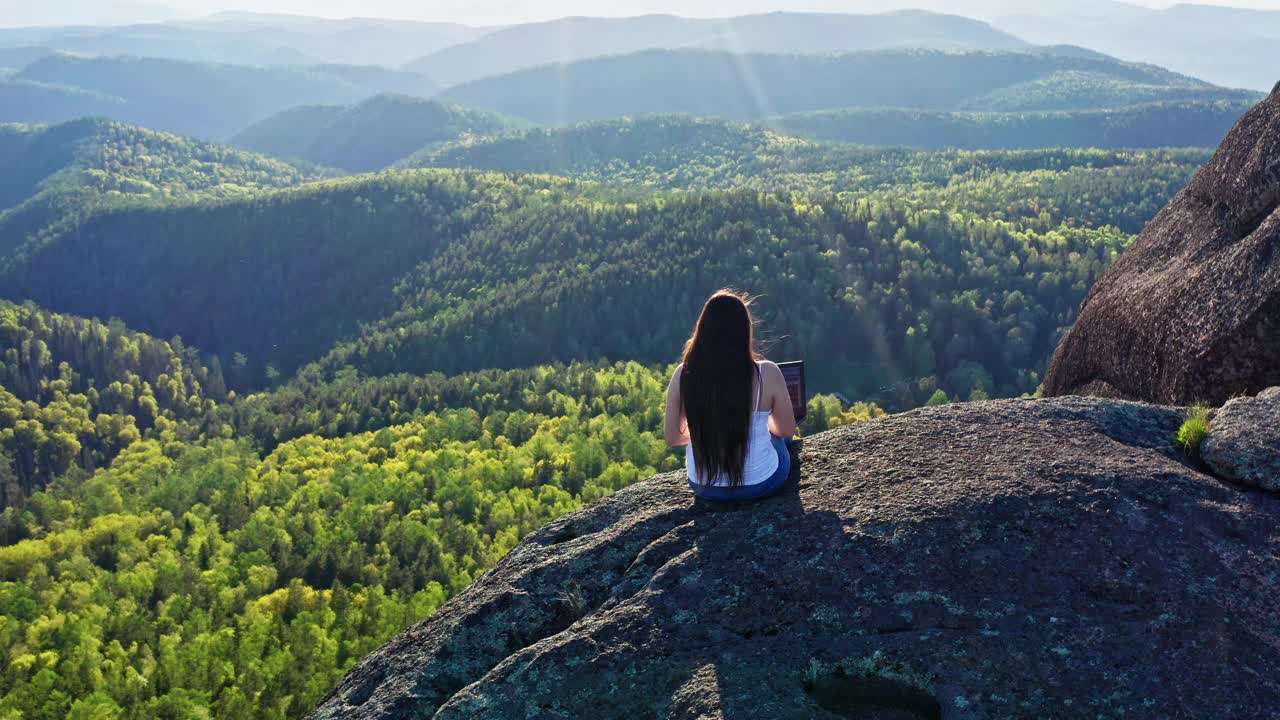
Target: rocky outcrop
{"x": 1191, "y": 312}
{"x": 1015, "y": 559}
{"x": 1243, "y": 444}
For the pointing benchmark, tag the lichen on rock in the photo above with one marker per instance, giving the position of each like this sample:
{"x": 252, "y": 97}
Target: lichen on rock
{"x": 1243, "y": 444}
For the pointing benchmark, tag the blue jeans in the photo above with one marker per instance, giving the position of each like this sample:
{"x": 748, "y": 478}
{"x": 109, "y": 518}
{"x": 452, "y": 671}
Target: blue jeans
{"x": 753, "y": 492}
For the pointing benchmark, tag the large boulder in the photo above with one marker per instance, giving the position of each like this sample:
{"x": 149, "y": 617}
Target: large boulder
{"x": 1191, "y": 312}
{"x": 1014, "y": 559}
{"x": 1243, "y": 443}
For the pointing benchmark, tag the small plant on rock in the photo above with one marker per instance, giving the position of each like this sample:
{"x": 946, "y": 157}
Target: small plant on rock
{"x": 1194, "y": 429}
{"x": 574, "y": 599}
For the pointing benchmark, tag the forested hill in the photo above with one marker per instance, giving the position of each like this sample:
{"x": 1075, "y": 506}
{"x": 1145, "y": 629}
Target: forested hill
{"x": 75, "y": 392}
{"x": 253, "y": 39}
{"x": 51, "y": 176}
{"x": 752, "y": 87}
{"x": 904, "y": 295}
{"x": 205, "y": 100}
{"x": 682, "y": 153}
{"x": 369, "y": 136}
{"x": 673, "y": 151}
{"x": 676, "y": 151}
{"x": 279, "y": 277}
{"x": 27, "y": 101}
{"x": 113, "y": 157}
{"x": 456, "y": 271}
{"x": 1183, "y": 124}
{"x": 578, "y": 38}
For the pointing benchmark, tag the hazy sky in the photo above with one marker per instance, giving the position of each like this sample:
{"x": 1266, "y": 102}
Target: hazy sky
{"x": 517, "y": 10}
{"x": 45, "y": 12}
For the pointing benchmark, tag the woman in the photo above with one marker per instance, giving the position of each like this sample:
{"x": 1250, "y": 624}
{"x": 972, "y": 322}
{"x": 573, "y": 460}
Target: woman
{"x": 730, "y": 407}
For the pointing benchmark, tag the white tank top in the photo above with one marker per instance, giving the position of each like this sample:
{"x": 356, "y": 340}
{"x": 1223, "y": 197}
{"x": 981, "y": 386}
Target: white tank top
{"x": 762, "y": 458}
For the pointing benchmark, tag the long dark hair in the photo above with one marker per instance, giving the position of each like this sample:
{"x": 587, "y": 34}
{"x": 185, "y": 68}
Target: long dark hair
{"x": 715, "y": 386}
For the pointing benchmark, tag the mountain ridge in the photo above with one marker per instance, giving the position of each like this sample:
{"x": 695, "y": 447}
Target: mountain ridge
{"x": 209, "y": 100}
{"x": 255, "y": 39}
{"x": 754, "y": 87}
{"x": 1189, "y": 38}
{"x": 371, "y": 135}
{"x": 576, "y": 38}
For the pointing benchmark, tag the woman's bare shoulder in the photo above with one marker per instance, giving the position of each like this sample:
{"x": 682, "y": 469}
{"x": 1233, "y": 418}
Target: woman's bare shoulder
{"x": 770, "y": 367}
{"x": 772, "y": 374}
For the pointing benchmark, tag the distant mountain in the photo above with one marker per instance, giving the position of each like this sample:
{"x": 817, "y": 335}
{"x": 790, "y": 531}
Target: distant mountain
{"x": 992, "y": 9}
{"x": 293, "y": 133}
{"x": 1230, "y": 46}
{"x": 753, "y": 87}
{"x": 254, "y": 39}
{"x": 379, "y": 79}
{"x": 25, "y": 101}
{"x": 579, "y": 38}
{"x": 16, "y": 58}
{"x": 350, "y": 41}
{"x": 204, "y": 100}
{"x": 1195, "y": 124}
{"x": 369, "y": 136}
{"x": 510, "y": 12}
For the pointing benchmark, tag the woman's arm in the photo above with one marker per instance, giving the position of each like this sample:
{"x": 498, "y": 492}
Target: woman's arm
{"x": 782, "y": 417}
{"x": 677, "y": 430}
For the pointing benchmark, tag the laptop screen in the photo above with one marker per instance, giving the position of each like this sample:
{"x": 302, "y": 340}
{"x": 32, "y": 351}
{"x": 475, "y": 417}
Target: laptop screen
{"x": 793, "y": 372}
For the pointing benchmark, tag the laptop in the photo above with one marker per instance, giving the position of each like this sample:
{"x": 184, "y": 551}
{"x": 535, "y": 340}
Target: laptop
{"x": 793, "y": 372}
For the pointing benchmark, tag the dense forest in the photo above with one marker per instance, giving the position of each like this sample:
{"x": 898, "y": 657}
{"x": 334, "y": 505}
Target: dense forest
{"x": 278, "y": 277}
{"x": 756, "y": 87}
{"x": 246, "y": 584}
{"x": 916, "y": 297}
{"x": 1088, "y": 186}
{"x": 75, "y": 392}
{"x": 482, "y": 270}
